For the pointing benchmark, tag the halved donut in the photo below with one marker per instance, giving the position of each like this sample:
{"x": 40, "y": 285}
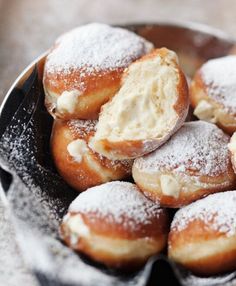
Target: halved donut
{"x": 150, "y": 106}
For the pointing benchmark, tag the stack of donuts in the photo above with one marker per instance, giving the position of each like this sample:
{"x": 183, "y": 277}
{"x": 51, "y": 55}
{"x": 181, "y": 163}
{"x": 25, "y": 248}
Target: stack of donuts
{"x": 121, "y": 139}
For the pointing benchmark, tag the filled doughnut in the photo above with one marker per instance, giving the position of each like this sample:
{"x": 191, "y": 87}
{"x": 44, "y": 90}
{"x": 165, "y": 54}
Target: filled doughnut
{"x": 83, "y": 70}
{"x": 203, "y": 235}
{"x": 150, "y": 106}
{"x": 193, "y": 163}
{"x": 116, "y": 225}
{"x": 213, "y": 93}
{"x": 80, "y": 167}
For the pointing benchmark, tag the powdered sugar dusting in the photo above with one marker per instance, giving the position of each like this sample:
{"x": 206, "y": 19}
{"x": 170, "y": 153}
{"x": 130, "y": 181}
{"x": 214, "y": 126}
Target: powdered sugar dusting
{"x": 82, "y": 127}
{"x": 96, "y": 47}
{"x": 218, "y": 211}
{"x": 116, "y": 200}
{"x": 199, "y": 148}
{"x": 220, "y": 78}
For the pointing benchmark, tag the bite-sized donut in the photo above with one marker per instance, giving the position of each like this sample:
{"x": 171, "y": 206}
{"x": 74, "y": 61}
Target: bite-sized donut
{"x": 150, "y": 106}
{"x": 116, "y": 225}
{"x": 81, "y": 167}
{"x": 203, "y": 235}
{"x": 213, "y": 92}
{"x": 83, "y": 70}
{"x": 193, "y": 163}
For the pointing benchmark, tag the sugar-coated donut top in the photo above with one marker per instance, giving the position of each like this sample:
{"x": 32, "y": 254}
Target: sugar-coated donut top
{"x": 118, "y": 202}
{"x": 217, "y": 211}
{"x": 199, "y": 148}
{"x": 95, "y": 47}
{"x": 219, "y": 75}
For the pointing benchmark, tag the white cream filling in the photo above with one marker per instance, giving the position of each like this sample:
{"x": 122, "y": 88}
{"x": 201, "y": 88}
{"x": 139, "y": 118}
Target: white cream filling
{"x": 143, "y": 107}
{"x": 67, "y": 101}
{"x": 169, "y": 186}
{"x": 77, "y": 149}
{"x": 205, "y": 111}
{"x": 232, "y": 144}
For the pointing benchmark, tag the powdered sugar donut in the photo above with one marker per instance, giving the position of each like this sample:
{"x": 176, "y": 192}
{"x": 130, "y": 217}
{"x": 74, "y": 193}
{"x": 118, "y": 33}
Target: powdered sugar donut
{"x": 203, "y": 235}
{"x": 213, "y": 92}
{"x": 150, "y": 106}
{"x": 193, "y": 163}
{"x": 115, "y": 224}
{"x": 76, "y": 162}
{"x": 83, "y": 70}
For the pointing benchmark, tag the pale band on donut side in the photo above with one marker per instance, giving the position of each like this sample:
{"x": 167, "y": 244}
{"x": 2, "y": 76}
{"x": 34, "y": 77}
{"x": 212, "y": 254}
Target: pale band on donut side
{"x": 195, "y": 162}
{"x": 81, "y": 167}
{"x": 150, "y": 106}
{"x": 232, "y": 149}
{"x": 203, "y": 235}
{"x": 83, "y": 69}
{"x": 116, "y": 225}
{"x": 213, "y": 93}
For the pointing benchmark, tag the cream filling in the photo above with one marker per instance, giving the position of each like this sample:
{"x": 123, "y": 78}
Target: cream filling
{"x": 67, "y": 101}
{"x": 143, "y": 107}
{"x": 77, "y": 148}
{"x": 170, "y": 186}
{"x": 205, "y": 111}
{"x": 232, "y": 144}
{"x": 138, "y": 248}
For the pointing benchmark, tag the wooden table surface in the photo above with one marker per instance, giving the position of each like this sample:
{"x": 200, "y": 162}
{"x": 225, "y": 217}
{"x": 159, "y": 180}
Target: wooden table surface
{"x": 29, "y": 27}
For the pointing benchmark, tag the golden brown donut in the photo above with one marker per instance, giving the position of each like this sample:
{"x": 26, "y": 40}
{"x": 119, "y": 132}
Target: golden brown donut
{"x": 80, "y": 167}
{"x": 193, "y": 163}
{"x": 84, "y": 68}
{"x": 116, "y": 225}
{"x": 150, "y": 106}
{"x": 213, "y": 92}
{"x": 203, "y": 235}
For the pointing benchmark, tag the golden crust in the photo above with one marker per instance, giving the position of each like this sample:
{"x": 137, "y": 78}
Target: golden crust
{"x": 151, "y": 187}
{"x": 218, "y": 256}
{"x": 198, "y": 92}
{"x": 98, "y": 88}
{"x": 139, "y": 245}
{"x": 157, "y": 226}
{"x": 125, "y": 262}
{"x": 92, "y": 170}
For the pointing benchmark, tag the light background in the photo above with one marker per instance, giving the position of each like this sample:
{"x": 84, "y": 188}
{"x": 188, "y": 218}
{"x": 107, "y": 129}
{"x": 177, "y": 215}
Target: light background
{"x": 29, "y": 27}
